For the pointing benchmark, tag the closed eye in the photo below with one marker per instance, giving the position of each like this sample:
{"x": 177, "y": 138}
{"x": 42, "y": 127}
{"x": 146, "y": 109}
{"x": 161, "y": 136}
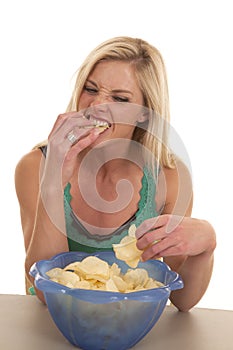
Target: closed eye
{"x": 90, "y": 90}
{"x": 120, "y": 99}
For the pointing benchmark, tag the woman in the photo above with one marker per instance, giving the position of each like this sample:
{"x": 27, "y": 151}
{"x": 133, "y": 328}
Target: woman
{"x": 107, "y": 165}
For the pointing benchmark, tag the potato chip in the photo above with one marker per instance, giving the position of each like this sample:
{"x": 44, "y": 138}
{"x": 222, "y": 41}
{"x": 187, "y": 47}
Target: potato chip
{"x": 121, "y": 285}
{"x": 114, "y": 270}
{"x": 97, "y": 278}
{"x": 83, "y": 285}
{"x": 66, "y": 278}
{"x": 133, "y": 263}
{"x": 110, "y": 286}
{"x": 98, "y": 285}
{"x": 150, "y": 284}
{"x": 72, "y": 266}
{"x": 132, "y": 230}
{"x": 55, "y": 272}
{"x": 93, "y": 266}
{"x": 69, "y": 277}
{"x": 136, "y": 277}
{"x": 127, "y": 249}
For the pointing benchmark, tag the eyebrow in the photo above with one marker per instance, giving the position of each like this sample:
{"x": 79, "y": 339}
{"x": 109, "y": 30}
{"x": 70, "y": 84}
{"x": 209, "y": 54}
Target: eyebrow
{"x": 114, "y": 91}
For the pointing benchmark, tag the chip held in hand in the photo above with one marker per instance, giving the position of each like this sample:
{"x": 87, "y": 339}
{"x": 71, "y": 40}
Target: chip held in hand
{"x": 127, "y": 249}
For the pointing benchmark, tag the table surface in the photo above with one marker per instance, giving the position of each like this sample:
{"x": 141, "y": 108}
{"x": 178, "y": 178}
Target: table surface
{"x": 25, "y": 324}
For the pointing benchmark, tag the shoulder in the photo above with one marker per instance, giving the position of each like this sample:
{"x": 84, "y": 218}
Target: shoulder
{"x": 176, "y": 186}
{"x": 178, "y": 173}
{"x": 28, "y": 163}
{"x": 27, "y": 172}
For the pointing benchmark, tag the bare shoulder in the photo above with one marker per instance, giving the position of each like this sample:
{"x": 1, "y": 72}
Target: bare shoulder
{"x": 176, "y": 185}
{"x": 27, "y": 173}
{"x": 32, "y": 157}
{"x": 178, "y": 173}
{"x": 28, "y": 164}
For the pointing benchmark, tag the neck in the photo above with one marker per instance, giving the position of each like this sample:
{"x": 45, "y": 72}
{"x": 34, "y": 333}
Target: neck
{"x": 111, "y": 155}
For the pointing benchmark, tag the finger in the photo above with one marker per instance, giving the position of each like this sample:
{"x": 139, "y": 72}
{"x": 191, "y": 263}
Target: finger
{"x": 66, "y": 122}
{"x": 172, "y": 251}
{"x": 59, "y": 122}
{"x": 173, "y": 222}
{"x": 161, "y": 249}
{"x": 151, "y": 237}
{"x": 70, "y": 131}
{"x": 83, "y": 143}
{"x": 151, "y": 224}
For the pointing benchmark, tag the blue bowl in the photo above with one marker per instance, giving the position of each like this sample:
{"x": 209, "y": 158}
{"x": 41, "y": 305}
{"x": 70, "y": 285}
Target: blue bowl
{"x": 98, "y": 320}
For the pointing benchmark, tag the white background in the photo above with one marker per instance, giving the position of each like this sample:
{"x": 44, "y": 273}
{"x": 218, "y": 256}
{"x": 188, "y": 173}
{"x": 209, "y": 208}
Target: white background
{"x": 44, "y": 42}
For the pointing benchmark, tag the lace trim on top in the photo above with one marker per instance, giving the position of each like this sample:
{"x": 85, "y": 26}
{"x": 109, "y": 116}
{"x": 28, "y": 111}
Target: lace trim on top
{"x": 80, "y": 239}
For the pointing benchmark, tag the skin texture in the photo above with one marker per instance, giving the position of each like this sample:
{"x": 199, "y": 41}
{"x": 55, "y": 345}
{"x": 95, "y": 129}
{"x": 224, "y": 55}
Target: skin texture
{"x": 187, "y": 244}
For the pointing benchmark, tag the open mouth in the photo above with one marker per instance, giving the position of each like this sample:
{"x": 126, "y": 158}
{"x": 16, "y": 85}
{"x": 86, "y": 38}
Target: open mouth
{"x": 96, "y": 123}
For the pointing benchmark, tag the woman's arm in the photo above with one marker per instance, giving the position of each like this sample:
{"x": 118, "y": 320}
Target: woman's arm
{"x": 41, "y": 238}
{"x": 197, "y": 269}
{"x": 40, "y": 184}
{"x": 187, "y": 244}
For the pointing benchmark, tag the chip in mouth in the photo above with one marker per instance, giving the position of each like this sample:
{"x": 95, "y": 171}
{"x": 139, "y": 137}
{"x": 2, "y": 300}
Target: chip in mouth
{"x": 96, "y": 123}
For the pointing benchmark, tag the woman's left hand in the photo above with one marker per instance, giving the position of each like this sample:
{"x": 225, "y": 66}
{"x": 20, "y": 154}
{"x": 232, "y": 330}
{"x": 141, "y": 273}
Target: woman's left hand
{"x": 171, "y": 235}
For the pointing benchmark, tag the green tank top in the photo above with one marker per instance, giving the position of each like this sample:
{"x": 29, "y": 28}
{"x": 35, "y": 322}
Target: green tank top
{"x": 79, "y": 239}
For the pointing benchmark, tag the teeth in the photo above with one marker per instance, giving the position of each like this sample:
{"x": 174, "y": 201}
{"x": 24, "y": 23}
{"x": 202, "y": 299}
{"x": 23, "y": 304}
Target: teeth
{"x": 96, "y": 122}
{"x": 100, "y": 123}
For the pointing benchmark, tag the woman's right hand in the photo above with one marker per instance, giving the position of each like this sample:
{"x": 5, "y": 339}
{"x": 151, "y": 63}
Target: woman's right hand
{"x": 58, "y": 167}
{"x": 62, "y": 154}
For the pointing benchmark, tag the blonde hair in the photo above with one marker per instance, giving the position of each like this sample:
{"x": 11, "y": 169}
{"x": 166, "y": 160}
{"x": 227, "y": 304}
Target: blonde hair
{"x": 152, "y": 79}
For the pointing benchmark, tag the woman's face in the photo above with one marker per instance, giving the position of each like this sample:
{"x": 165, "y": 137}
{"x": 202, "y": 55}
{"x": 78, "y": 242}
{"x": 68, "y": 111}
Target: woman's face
{"x": 109, "y": 83}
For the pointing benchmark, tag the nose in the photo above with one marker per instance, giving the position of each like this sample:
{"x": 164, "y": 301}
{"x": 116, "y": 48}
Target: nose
{"x": 100, "y": 105}
{"x": 101, "y": 98}
{"x": 99, "y": 109}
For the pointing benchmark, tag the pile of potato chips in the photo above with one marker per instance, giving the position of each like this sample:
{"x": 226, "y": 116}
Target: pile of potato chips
{"x": 96, "y": 274}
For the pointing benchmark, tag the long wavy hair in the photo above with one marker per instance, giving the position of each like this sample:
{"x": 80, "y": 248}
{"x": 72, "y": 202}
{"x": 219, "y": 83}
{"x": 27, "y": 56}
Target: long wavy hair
{"x": 151, "y": 76}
